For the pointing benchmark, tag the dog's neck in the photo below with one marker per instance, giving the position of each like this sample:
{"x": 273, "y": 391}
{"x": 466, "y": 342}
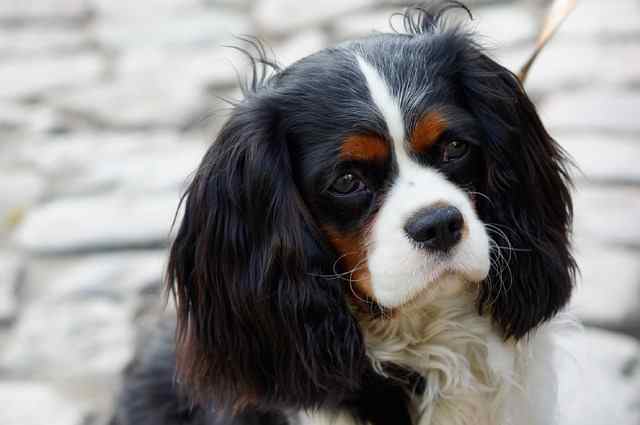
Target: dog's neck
{"x": 470, "y": 372}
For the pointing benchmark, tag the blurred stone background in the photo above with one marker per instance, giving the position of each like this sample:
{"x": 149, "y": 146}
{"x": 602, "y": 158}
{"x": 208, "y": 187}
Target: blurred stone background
{"x": 107, "y": 106}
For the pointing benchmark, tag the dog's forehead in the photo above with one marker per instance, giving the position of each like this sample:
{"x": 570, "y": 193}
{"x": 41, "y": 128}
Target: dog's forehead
{"x": 409, "y": 64}
{"x": 385, "y": 84}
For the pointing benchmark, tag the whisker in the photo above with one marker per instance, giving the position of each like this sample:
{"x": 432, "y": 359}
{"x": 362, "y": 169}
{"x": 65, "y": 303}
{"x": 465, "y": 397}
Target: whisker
{"x": 482, "y": 195}
{"x": 501, "y": 264}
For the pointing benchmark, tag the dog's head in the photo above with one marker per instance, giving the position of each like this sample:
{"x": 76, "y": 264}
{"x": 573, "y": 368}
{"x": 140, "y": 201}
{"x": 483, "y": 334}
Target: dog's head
{"x": 381, "y": 171}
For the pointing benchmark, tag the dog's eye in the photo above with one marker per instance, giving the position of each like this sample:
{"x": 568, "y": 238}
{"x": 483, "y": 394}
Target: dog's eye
{"x": 453, "y": 150}
{"x": 346, "y": 184}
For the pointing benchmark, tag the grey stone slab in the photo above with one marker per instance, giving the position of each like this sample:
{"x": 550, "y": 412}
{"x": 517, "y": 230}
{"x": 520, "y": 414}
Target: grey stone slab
{"x": 599, "y": 378}
{"x": 603, "y": 157}
{"x": 26, "y": 77}
{"x": 106, "y": 9}
{"x": 44, "y": 11}
{"x": 164, "y": 168}
{"x": 363, "y": 23}
{"x": 203, "y": 68}
{"x": 70, "y": 339}
{"x": 192, "y": 28}
{"x": 89, "y": 163}
{"x": 21, "y": 188}
{"x": 504, "y": 25}
{"x": 41, "y": 41}
{"x": 593, "y": 109}
{"x": 608, "y": 287}
{"x": 244, "y": 5}
{"x": 10, "y": 266}
{"x": 135, "y": 102}
{"x": 596, "y": 18}
{"x": 122, "y": 277}
{"x": 88, "y": 304}
{"x": 98, "y": 223}
{"x": 302, "y": 44}
{"x": 268, "y": 14}
{"x": 569, "y": 65}
{"x": 8, "y": 302}
{"x": 37, "y": 403}
{"x": 4, "y": 339}
{"x": 513, "y": 58}
{"x": 18, "y": 119}
{"x": 608, "y": 214}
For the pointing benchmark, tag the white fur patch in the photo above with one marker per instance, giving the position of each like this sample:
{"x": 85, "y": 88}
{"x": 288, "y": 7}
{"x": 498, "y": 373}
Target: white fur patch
{"x": 385, "y": 102}
{"x": 399, "y": 270}
{"x": 473, "y": 377}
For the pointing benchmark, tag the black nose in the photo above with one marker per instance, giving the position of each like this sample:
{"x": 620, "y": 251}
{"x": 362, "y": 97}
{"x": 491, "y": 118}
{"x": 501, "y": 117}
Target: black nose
{"x": 436, "y": 228}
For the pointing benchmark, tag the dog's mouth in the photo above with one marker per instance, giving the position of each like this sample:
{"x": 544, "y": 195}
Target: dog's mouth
{"x": 447, "y": 284}
{"x": 442, "y": 283}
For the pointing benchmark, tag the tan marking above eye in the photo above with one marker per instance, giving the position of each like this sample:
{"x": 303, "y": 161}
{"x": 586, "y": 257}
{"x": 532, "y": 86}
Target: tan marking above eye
{"x": 427, "y": 132}
{"x": 364, "y": 148}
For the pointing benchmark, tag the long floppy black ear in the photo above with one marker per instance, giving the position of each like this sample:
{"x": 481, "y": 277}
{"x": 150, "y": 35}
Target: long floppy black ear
{"x": 528, "y": 207}
{"x": 260, "y": 320}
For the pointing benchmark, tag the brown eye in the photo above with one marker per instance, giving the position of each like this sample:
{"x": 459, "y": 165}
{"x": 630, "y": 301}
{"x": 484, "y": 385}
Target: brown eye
{"x": 454, "y": 150}
{"x": 346, "y": 184}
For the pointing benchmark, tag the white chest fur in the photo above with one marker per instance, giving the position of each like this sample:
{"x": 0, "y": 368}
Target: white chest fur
{"x": 473, "y": 377}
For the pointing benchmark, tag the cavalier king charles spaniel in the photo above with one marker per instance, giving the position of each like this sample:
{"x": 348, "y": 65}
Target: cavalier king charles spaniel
{"x": 379, "y": 235}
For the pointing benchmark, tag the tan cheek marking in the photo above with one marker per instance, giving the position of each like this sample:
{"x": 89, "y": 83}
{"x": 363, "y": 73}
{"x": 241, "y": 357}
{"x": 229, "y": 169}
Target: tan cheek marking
{"x": 353, "y": 259}
{"x": 427, "y": 132}
{"x": 465, "y": 230}
{"x": 365, "y": 148}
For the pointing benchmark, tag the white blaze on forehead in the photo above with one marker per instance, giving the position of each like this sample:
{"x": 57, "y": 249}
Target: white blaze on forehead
{"x": 386, "y": 103}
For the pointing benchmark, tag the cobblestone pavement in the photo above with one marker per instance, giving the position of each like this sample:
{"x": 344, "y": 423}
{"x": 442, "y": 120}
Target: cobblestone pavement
{"x": 106, "y": 107}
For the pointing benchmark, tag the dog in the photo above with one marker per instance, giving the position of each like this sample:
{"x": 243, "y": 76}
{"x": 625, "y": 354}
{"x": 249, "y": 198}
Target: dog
{"x": 380, "y": 234}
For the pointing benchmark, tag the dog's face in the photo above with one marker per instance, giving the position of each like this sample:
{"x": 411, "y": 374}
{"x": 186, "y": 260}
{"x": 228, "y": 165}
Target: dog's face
{"x": 390, "y": 173}
{"x": 382, "y": 171}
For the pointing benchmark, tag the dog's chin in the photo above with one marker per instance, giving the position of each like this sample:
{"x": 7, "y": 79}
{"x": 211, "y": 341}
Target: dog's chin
{"x": 448, "y": 285}
{"x": 400, "y": 273}
{"x": 440, "y": 283}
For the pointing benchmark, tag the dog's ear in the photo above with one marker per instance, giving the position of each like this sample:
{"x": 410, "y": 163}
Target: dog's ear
{"x": 261, "y": 321}
{"x": 528, "y": 209}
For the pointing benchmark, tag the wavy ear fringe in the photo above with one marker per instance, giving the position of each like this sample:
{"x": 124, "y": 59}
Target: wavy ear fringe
{"x": 260, "y": 320}
{"x": 529, "y": 211}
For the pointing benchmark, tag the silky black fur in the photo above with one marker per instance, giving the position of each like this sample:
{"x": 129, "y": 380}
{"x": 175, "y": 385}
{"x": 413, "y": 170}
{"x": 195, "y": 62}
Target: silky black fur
{"x": 263, "y": 321}
{"x": 258, "y": 318}
{"x": 527, "y": 200}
